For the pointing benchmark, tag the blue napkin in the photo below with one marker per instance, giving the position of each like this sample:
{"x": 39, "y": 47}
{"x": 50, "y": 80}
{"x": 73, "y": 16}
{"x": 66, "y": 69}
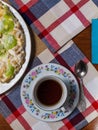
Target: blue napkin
{"x": 94, "y": 41}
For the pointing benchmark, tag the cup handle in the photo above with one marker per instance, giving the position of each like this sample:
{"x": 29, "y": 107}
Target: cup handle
{"x": 63, "y": 109}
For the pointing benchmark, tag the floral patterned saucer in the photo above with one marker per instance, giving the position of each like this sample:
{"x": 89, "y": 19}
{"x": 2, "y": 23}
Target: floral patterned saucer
{"x": 44, "y": 70}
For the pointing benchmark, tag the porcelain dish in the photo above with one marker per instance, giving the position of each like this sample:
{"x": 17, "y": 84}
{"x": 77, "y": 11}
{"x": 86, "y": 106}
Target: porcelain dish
{"x": 6, "y": 86}
{"x": 55, "y": 70}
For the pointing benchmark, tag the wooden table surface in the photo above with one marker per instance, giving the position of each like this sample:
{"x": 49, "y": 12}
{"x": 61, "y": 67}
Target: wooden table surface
{"x": 83, "y": 41}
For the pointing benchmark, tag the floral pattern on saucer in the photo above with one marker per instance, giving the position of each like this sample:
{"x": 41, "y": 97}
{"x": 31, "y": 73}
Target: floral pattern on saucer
{"x": 56, "y": 70}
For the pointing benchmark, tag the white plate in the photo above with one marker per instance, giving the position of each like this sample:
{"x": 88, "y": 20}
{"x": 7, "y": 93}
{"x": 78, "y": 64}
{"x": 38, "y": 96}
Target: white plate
{"x": 44, "y": 70}
{"x": 6, "y": 86}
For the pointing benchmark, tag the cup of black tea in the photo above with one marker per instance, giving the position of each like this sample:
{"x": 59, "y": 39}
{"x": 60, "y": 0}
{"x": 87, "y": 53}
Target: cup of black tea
{"x": 49, "y": 93}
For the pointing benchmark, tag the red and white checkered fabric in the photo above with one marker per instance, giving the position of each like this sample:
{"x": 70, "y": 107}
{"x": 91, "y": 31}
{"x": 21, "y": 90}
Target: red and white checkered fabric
{"x": 57, "y": 21}
{"x": 18, "y": 117}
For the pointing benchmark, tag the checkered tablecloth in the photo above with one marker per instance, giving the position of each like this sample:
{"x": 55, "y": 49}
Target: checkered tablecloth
{"x": 19, "y": 119}
{"x": 57, "y": 21}
{"x": 69, "y": 13}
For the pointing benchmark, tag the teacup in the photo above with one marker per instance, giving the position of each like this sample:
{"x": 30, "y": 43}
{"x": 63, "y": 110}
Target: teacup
{"x": 49, "y": 92}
